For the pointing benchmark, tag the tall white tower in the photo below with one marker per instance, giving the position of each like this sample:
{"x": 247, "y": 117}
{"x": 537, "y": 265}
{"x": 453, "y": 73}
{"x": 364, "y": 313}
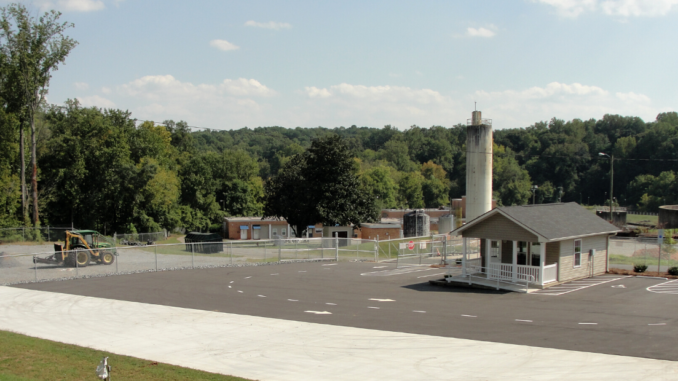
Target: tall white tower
{"x": 478, "y": 166}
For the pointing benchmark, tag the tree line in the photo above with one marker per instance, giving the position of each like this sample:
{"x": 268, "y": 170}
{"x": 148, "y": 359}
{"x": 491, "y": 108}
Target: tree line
{"x": 103, "y": 169}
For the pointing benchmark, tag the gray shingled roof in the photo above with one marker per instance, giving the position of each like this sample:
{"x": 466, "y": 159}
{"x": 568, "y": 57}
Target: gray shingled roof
{"x": 556, "y": 221}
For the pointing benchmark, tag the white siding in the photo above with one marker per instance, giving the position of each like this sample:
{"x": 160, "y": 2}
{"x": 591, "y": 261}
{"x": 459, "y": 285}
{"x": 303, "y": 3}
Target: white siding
{"x": 566, "y": 270}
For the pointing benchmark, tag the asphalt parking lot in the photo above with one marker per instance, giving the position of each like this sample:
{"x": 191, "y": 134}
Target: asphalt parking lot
{"x": 619, "y": 316}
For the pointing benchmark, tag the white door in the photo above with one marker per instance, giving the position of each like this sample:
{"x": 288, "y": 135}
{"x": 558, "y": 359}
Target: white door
{"x": 256, "y": 233}
{"x": 243, "y": 234}
{"x": 494, "y": 265}
{"x": 495, "y": 251}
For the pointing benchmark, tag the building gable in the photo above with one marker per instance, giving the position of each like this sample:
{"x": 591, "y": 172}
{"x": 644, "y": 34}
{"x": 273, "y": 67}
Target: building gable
{"x": 499, "y": 227}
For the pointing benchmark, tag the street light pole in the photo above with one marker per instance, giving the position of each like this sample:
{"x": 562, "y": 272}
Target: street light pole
{"x": 611, "y": 178}
{"x": 534, "y": 191}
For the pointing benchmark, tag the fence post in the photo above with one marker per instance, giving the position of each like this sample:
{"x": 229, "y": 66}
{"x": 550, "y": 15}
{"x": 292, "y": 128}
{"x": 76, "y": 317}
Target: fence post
{"x": 75, "y": 256}
{"x": 23, "y": 234}
{"x": 376, "y": 249}
{"x": 389, "y": 249}
{"x": 231, "y": 252}
{"x": 397, "y": 256}
{"x": 156, "y": 258}
{"x": 192, "y": 255}
{"x": 445, "y": 250}
{"x": 48, "y": 238}
{"x": 336, "y": 248}
{"x": 376, "y": 254}
{"x": 264, "y": 251}
{"x": 35, "y": 267}
{"x": 115, "y": 246}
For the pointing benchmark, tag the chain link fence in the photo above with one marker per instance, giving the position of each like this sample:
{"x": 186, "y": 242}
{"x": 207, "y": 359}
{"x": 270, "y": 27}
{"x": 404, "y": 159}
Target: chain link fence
{"x": 627, "y": 252}
{"x": 426, "y": 251}
{"x": 21, "y": 268}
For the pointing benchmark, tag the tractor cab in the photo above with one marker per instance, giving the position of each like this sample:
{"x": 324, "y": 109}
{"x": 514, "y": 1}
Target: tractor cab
{"x": 93, "y": 239}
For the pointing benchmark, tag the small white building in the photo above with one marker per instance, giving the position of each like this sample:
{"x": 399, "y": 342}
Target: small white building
{"x": 542, "y": 244}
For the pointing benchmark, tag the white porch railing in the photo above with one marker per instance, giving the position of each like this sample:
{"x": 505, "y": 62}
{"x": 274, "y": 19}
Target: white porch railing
{"x": 550, "y": 273}
{"x": 481, "y": 275}
{"x": 505, "y": 271}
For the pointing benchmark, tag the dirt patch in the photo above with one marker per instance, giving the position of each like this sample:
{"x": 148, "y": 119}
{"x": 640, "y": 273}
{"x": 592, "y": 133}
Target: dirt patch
{"x": 646, "y": 273}
{"x": 7, "y": 262}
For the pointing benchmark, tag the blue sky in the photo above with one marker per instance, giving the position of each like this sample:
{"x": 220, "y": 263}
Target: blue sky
{"x": 227, "y": 64}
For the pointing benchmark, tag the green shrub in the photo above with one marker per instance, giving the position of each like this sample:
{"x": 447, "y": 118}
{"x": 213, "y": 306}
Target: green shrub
{"x": 673, "y": 271}
{"x": 639, "y": 268}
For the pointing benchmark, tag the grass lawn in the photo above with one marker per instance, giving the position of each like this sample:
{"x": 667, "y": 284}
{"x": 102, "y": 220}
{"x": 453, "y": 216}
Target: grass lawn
{"x": 616, "y": 259}
{"x": 27, "y": 358}
{"x": 636, "y": 218}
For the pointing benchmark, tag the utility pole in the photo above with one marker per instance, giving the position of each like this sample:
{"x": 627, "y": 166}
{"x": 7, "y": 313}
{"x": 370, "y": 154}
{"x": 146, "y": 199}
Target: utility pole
{"x": 611, "y": 178}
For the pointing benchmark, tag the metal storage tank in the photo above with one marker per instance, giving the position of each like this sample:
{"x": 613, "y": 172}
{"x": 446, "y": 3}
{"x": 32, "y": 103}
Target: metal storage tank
{"x": 416, "y": 224}
{"x": 668, "y": 217}
{"x": 446, "y": 224}
{"x": 478, "y": 166}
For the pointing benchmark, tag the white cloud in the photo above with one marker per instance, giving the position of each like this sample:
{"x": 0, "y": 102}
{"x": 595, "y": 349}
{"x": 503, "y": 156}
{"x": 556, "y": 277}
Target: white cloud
{"x": 228, "y": 104}
{"x": 268, "y": 25}
{"x": 622, "y": 8}
{"x": 81, "y": 86}
{"x": 97, "y": 101}
{"x": 314, "y": 92}
{"x": 71, "y": 5}
{"x": 516, "y": 108}
{"x": 224, "y": 45}
{"x": 479, "y": 32}
{"x": 346, "y": 104}
{"x": 81, "y": 5}
{"x": 106, "y": 90}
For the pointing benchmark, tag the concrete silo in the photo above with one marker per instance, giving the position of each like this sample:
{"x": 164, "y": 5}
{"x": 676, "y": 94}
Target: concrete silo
{"x": 478, "y": 166}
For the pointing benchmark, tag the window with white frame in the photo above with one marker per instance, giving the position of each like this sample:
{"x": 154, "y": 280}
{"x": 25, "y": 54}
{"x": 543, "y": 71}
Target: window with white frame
{"x": 274, "y": 232}
{"x": 577, "y": 253}
{"x": 283, "y": 232}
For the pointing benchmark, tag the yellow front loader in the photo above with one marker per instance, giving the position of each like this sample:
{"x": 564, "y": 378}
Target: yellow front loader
{"x": 80, "y": 249}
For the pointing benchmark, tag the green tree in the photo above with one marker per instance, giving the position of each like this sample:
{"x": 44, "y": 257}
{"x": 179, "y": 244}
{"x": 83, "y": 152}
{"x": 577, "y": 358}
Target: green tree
{"x": 319, "y": 185}
{"x": 379, "y": 182}
{"x": 410, "y": 190}
{"x": 435, "y": 187}
{"x": 34, "y": 49}
{"x": 510, "y": 182}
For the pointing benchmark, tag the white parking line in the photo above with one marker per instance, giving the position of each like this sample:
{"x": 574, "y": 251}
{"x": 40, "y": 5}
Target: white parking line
{"x": 420, "y": 312}
{"x": 658, "y": 324}
{"x": 588, "y": 323}
{"x": 526, "y": 321}
{"x": 670, "y": 287}
{"x": 469, "y": 316}
{"x": 293, "y": 300}
{"x": 576, "y": 285}
{"x": 261, "y": 296}
{"x": 374, "y": 308}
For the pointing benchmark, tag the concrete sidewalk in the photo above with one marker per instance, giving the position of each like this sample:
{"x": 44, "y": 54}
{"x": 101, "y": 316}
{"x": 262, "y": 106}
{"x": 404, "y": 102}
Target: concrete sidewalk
{"x": 274, "y": 349}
